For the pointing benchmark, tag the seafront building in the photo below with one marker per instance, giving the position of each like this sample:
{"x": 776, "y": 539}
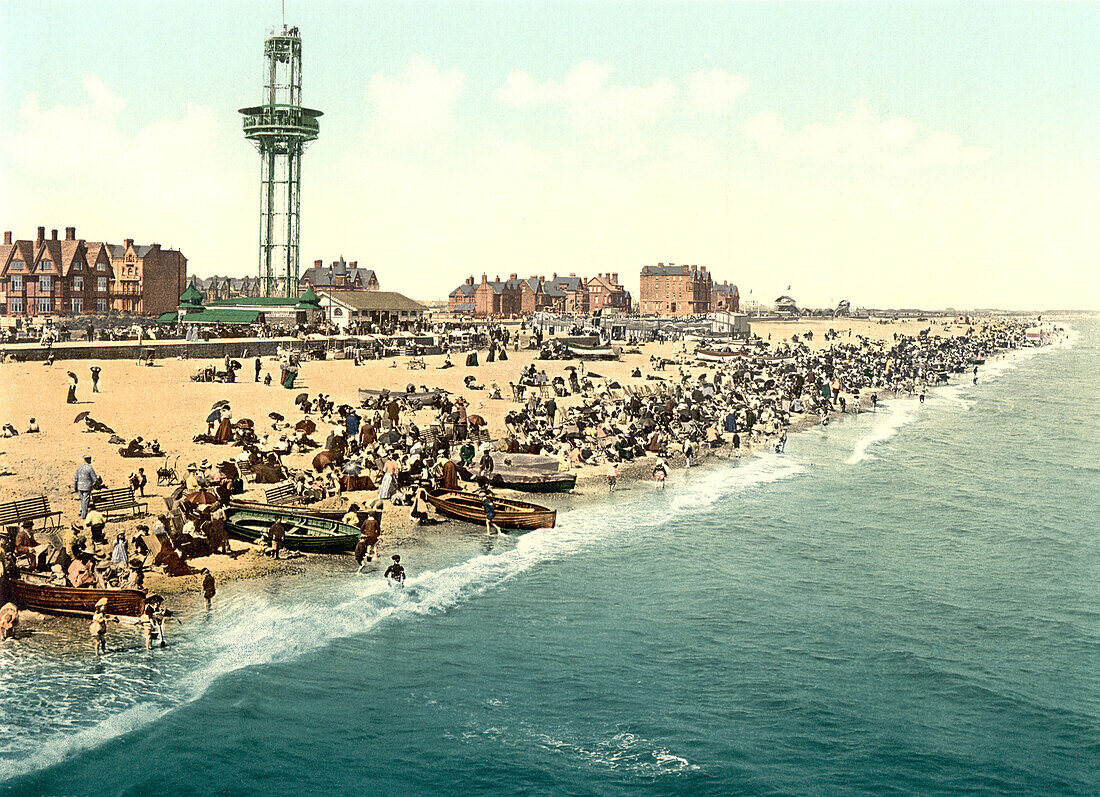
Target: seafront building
{"x": 340, "y": 275}
{"x": 53, "y": 277}
{"x": 672, "y": 291}
{"x": 559, "y": 295}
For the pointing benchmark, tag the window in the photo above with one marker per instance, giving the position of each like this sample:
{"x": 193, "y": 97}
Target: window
{"x": 45, "y": 282}
{"x": 78, "y": 283}
{"x": 101, "y": 305}
{"x": 78, "y": 305}
{"x": 100, "y": 266}
{"x": 44, "y": 304}
{"x": 78, "y": 266}
{"x": 337, "y": 311}
{"x": 15, "y": 304}
{"x": 101, "y": 284}
{"x": 17, "y": 282}
{"x": 16, "y": 265}
{"x": 45, "y": 265}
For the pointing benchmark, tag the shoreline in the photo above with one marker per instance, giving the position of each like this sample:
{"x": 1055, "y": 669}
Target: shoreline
{"x": 400, "y": 532}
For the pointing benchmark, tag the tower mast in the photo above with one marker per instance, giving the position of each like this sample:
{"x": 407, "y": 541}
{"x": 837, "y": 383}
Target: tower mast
{"x": 281, "y": 129}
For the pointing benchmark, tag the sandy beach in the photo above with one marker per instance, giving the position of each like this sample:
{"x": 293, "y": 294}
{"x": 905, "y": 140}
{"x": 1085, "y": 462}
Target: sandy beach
{"x": 161, "y": 402}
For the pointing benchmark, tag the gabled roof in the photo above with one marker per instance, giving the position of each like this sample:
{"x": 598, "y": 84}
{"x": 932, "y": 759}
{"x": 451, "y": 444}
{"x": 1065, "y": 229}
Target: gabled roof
{"x": 567, "y": 283}
{"x": 118, "y": 250}
{"x": 325, "y": 276}
{"x": 464, "y": 289}
{"x": 724, "y": 290}
{"x": 20, "y": 250}
{"x": 373, "y": 300}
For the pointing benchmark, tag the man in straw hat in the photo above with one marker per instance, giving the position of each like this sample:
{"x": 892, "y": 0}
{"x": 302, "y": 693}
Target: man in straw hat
{"x": 84, "y": 480}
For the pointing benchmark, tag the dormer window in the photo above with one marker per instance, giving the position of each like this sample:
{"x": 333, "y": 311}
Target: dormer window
{"x": 45, "y": 265}
{"x": 16, "y": 265}
{"x": 78, "y": 266}
{"x": 100, "y": 266}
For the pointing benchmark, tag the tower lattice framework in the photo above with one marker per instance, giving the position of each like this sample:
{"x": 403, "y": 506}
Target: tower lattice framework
{"x": 281, "y": 129}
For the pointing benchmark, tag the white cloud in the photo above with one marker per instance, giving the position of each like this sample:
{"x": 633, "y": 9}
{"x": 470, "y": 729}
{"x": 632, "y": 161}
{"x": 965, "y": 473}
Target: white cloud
{"x": 862, "y": 138}
{"x": 587, "y": 95}
{"x": 714, "y": 90}
{"x": 418, "y": 103}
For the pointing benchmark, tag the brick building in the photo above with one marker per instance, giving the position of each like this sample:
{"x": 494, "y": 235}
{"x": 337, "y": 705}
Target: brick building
{"x": 515, "y": 297}
{"x": 340, "y": 275}
{"x": 148, "y": 280}
{"x": 724, "y": 297}
{"x": 671, "y": 290}
{"x": 606, "y": 295}
{"x": 216, "y": 288}
{"x": 53, "y": 277}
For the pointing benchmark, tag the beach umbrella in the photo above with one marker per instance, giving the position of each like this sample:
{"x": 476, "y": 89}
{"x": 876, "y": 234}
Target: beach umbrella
{"x": 274, "y": 416}
{"x": 301, "y": 398}
{"x": 81, "y": 416}
{"x": 323, "y": 458}
{"x": 220, "y": 403}
{"x": 235, "y": 365}
{"x": 245, "y": 423}
{"x": 594, "y": 375}
{"x": 390, "y": 438}
{"x": 305, "y": 425}
{"x": 201, "y": 498}
{"x": 70, "y": 373}
{"x": 475, "y": 420}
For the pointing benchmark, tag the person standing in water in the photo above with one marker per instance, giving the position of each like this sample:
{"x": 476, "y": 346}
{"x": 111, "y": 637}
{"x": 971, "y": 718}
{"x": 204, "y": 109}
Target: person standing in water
{"x": 208, "y": 588}
{"x": 395, "y": 572}
{"x": 490, "y": 513}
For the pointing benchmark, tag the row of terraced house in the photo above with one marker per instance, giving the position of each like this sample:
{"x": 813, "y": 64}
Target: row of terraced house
{"x": 52, "y": 276}
{"x": 559, "y": 295}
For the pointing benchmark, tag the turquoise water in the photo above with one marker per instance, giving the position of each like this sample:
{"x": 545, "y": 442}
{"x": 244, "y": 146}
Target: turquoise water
{"x": 904, "y": 603}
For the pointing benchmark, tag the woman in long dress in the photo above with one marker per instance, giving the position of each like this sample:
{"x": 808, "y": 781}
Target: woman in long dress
{"x": 225, "y": 428}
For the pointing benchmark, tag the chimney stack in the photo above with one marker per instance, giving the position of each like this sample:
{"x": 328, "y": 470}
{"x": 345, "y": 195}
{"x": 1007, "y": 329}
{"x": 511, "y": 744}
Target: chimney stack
{"x": 53, "y": 235}
{"x": 41, "y": 234}
{"x": 615, "y": 277}
{"x": 318, "y": 263}
{"x": 513, "y": 277}
{"x": 572, "y": 274}
{"x": 484, "y": 278}
{"x": 70, "y": 233}
{"x": 353, "y": 264}
{"x": 496, "y": 278}
{"x": 7, "y": 236}
{"x": 127, "y": 243}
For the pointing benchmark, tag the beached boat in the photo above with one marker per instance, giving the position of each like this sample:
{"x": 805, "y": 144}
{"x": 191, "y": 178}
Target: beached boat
{"x": 302, "y": 532}
{"x": 420, "y": 398}
{"x": 592, "y": 352}
{"x": 283, "y": 509}
{"x": 977, "y": 362}
{"x": 531, "y": 481}
{"x": 510, "y": 514}
{"x": 716, "y": 356}
{"x": 40, "y": 596}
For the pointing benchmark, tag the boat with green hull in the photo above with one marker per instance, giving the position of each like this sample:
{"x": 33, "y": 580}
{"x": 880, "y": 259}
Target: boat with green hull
{"x": 302, "y": 532}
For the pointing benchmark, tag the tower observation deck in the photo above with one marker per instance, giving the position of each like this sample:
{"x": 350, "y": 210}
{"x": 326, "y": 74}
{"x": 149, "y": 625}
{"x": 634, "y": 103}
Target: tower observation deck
{"x": 281, "y": 129}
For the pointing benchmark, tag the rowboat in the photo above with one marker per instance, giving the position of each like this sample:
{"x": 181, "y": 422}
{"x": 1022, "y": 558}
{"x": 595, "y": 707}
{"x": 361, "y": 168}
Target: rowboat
{"x": 715, "y": 356}
{"x": 302, "y": 532}
{"x": 977, "y": 362}
{"x": 40, "y": 596}
{"x": 282, "y": 509}
{"x": 529, "y": 481}
{"x": 583, "y": 352}
{"x": 510, "y": 514}
{"x": 421, "y": 398}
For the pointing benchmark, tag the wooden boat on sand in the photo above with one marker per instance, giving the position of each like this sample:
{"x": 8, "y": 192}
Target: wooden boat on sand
{"x": 283, "y": 509}
{"x": 531, "y": 481}
{"x": 510, "y": 514}
{"x": 302, "y": 532}
{"x": 40, "y": 596}
{"x": 592, "y": 352}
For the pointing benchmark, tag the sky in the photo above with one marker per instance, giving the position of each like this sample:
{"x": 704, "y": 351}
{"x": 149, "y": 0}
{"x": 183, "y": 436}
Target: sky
{"x": 894, "y": 155}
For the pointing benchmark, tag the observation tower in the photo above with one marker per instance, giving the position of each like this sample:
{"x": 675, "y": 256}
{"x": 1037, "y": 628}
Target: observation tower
{"x": 281, "y": 129}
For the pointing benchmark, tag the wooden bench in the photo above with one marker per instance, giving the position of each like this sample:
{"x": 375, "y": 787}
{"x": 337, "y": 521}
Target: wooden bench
{"x": 38, "y": 508}
{"x": 120, "y": 500}
{"x": 246, "y": 470}
{"x": 282, "y": 494}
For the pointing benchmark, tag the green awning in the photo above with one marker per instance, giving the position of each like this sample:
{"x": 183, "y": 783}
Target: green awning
{"x": 223, "y": 315}
{"x": 168, "y": 318}
{"x": 191, "y": 296}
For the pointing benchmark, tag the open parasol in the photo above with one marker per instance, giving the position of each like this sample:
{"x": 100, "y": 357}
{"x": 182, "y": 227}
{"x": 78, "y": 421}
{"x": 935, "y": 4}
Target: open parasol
{"x": 301, "y": 398}
{"x": 201, "y": 498}
{"x": 305, "y": 425}
{"x": 475, "y": 420}
{"x": 81, "y": 416}
{"x": 220, "y": 403}
{"x": 245, "y": 423}
{"x": 389, "y": 438}
{"x": 323, "y": 458}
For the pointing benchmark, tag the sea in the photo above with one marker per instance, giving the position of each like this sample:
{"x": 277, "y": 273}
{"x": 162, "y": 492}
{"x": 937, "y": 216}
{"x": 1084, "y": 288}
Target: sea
{"x": 904, "y": 602}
